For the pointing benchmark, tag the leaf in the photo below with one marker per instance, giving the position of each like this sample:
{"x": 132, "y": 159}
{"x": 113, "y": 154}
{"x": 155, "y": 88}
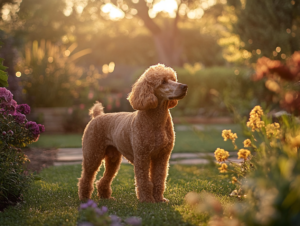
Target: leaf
{"x": 3, "y": 75}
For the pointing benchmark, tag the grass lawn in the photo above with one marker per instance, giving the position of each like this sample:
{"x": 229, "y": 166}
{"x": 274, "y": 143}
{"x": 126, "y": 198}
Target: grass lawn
{"x": 53, "y": 200}
{"x": 206, "y": 140}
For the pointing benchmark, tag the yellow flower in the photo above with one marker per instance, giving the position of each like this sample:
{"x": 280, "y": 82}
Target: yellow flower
{"x": 293, "y": 141}
{"x": 254, "y": 121}
{"x": 223, "y": 168}
{"x": 247, "y": 143}
{"x": 221, "y": 155}
{"x": 243, "y": 153}
{"x": 273, "y": 130}
{"x": 257, "y": 111}
{"x": 227, "y": 134}
{"x": 234, "y": 180}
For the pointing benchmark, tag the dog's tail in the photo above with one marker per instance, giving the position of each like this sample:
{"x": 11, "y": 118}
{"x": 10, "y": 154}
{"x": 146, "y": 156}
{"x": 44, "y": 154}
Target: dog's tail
{"x": 96, "y": 110}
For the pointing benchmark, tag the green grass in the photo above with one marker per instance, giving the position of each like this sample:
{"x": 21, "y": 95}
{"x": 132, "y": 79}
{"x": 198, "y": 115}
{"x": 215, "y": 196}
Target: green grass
{"x": 53, "y": 200}
{"x": 186, "y": 141}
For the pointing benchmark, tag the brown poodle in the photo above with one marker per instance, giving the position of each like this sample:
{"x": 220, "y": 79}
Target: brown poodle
{"x": 144, "y": 137}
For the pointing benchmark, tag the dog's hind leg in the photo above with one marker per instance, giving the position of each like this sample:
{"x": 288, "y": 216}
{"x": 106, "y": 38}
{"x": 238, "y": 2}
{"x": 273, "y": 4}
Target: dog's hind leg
{"x": 90, "y": 165}
{"x": 113, "y": 159}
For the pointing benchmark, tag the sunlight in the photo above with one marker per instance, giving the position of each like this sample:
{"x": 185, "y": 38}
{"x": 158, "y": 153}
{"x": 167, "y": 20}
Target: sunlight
{"x": 112, "y": 11}
{"x": 167, "y": 6}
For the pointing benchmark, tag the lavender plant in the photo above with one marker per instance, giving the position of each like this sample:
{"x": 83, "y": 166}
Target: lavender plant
{"x": 15, "y": 132}
{"x": 91, "y": 215}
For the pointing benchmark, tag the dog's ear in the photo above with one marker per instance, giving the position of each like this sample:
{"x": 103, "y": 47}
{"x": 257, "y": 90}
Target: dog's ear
{"x": 172, "y": 103}
{"x": 142, "y": 95}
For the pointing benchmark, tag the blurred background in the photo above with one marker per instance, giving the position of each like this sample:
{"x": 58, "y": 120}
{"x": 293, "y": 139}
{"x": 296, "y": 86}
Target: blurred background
{"x": 63, "y": 55}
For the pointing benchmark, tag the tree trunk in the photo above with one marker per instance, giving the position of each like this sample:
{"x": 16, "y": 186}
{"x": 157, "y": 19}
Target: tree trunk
{"x": 167, "y": 41}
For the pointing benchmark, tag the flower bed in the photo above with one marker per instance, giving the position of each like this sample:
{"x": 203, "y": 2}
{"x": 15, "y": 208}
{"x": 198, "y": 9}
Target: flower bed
{"x": 16, "y": 132}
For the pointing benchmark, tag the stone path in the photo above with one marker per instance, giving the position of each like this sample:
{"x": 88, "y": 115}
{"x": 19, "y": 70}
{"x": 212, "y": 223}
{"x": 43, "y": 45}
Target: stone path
{"x": 69, "y": 156}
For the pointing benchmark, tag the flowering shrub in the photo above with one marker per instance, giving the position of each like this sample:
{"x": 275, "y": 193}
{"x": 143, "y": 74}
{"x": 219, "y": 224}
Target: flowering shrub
{"x": 91, "y": 214}
{"x": 282, "y": 80}
{"x": 16, "y": 132}
{"x": 267, "y": 179}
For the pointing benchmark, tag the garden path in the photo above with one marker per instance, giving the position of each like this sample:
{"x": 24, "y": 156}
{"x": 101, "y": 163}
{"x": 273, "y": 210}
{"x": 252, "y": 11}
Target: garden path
{"x": 69, "y": 156}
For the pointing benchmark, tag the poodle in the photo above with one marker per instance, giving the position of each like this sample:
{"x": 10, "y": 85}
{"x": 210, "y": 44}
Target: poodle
{"x": 144, "y": 137}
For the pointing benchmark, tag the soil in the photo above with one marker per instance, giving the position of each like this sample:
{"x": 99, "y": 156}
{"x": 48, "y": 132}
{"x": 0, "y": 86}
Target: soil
{"x": 40, "y": 158}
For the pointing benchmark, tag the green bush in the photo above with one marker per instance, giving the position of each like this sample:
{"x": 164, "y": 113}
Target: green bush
{"x": 3, "y": 75}
{"x": 50, "y": 77}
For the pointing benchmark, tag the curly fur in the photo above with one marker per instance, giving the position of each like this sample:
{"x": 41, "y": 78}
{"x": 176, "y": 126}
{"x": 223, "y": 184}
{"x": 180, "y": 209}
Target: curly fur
{"x": 145, "y": 138}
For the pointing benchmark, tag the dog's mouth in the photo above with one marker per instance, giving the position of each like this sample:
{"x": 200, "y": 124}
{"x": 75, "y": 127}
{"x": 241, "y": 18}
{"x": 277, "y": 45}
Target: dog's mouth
{"x": 178, "y": 97}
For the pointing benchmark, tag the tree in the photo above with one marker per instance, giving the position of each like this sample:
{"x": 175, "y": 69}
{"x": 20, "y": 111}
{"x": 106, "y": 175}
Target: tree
{"x": 166, "y": 35}
{"x": 267, "y": 28}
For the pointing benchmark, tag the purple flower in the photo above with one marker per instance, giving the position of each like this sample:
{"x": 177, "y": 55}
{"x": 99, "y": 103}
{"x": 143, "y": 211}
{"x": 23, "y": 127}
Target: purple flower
{"x": 83, "y": 206}
{"x": 23, "y": 108}
{"x": 114, "y": 218}
{"x": 10, "y": 132}
{"x": 42, "y": 128}
{"x": 5, "y": 94}
{"x": 134, "y": 221}
{"x": 19, "y": 118}
{"x": 104, "y": 209}
{"x": 91, "y": 203}
{"x": 3, "y": 133}
{"x": 99, "y": 211}
{"x": 8, "y": 107}
{"x": 33, "y": 128}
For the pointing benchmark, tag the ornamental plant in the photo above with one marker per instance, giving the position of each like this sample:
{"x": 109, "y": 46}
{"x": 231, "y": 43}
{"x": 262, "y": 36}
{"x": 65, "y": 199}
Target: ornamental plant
{"x": 90, "y": 214}
{"x": 267, "y": 180}
{"x": 15, "y": 132}
{"x": 282, "y": 79}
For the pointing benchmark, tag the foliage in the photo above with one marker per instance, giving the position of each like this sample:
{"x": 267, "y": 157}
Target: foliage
{"x": 90, "y": 213}
{"x": 267, "y": 179}
{"x": 282, "y": 80}
{"x": 3, "y": 75}
{"x": 50, "y": 76}
{"x": 53, "y": 200}
{"x": 263, "y": 26}
{"x": 16, "y": 132}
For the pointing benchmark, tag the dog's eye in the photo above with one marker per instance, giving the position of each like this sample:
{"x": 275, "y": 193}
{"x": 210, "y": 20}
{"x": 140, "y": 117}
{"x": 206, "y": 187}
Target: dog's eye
{"x": 164, "y": 81}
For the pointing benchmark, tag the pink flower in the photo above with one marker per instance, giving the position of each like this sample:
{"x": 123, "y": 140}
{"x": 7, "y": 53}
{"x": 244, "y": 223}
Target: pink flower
{"x": 23, "y": 108}
{"x": 5, "y": 94}
{"x": 19, "y": 118}
{"x": 42, "y": 128}
{"x": 8, "y": 107}
{"x": 33, "y": 128}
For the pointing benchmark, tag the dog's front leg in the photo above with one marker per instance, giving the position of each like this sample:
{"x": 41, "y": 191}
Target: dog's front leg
{"x": 144, "y": 187}
{"x": 159, "y": 171}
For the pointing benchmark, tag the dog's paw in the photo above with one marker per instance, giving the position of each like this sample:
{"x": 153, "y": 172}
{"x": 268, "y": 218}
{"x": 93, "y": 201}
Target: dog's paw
{"x": 163, "y": 200}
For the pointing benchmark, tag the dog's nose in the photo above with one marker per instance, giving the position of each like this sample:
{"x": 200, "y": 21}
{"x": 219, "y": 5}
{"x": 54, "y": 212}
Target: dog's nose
{"x": 183, "y": 87}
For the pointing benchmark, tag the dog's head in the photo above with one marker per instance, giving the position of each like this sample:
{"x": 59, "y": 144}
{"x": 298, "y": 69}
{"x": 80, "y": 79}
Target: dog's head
{"x": 157, "y": 83}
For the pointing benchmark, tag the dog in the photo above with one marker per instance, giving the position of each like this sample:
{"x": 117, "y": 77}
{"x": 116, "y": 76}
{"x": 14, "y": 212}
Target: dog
{"x": 144, "y": 137}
